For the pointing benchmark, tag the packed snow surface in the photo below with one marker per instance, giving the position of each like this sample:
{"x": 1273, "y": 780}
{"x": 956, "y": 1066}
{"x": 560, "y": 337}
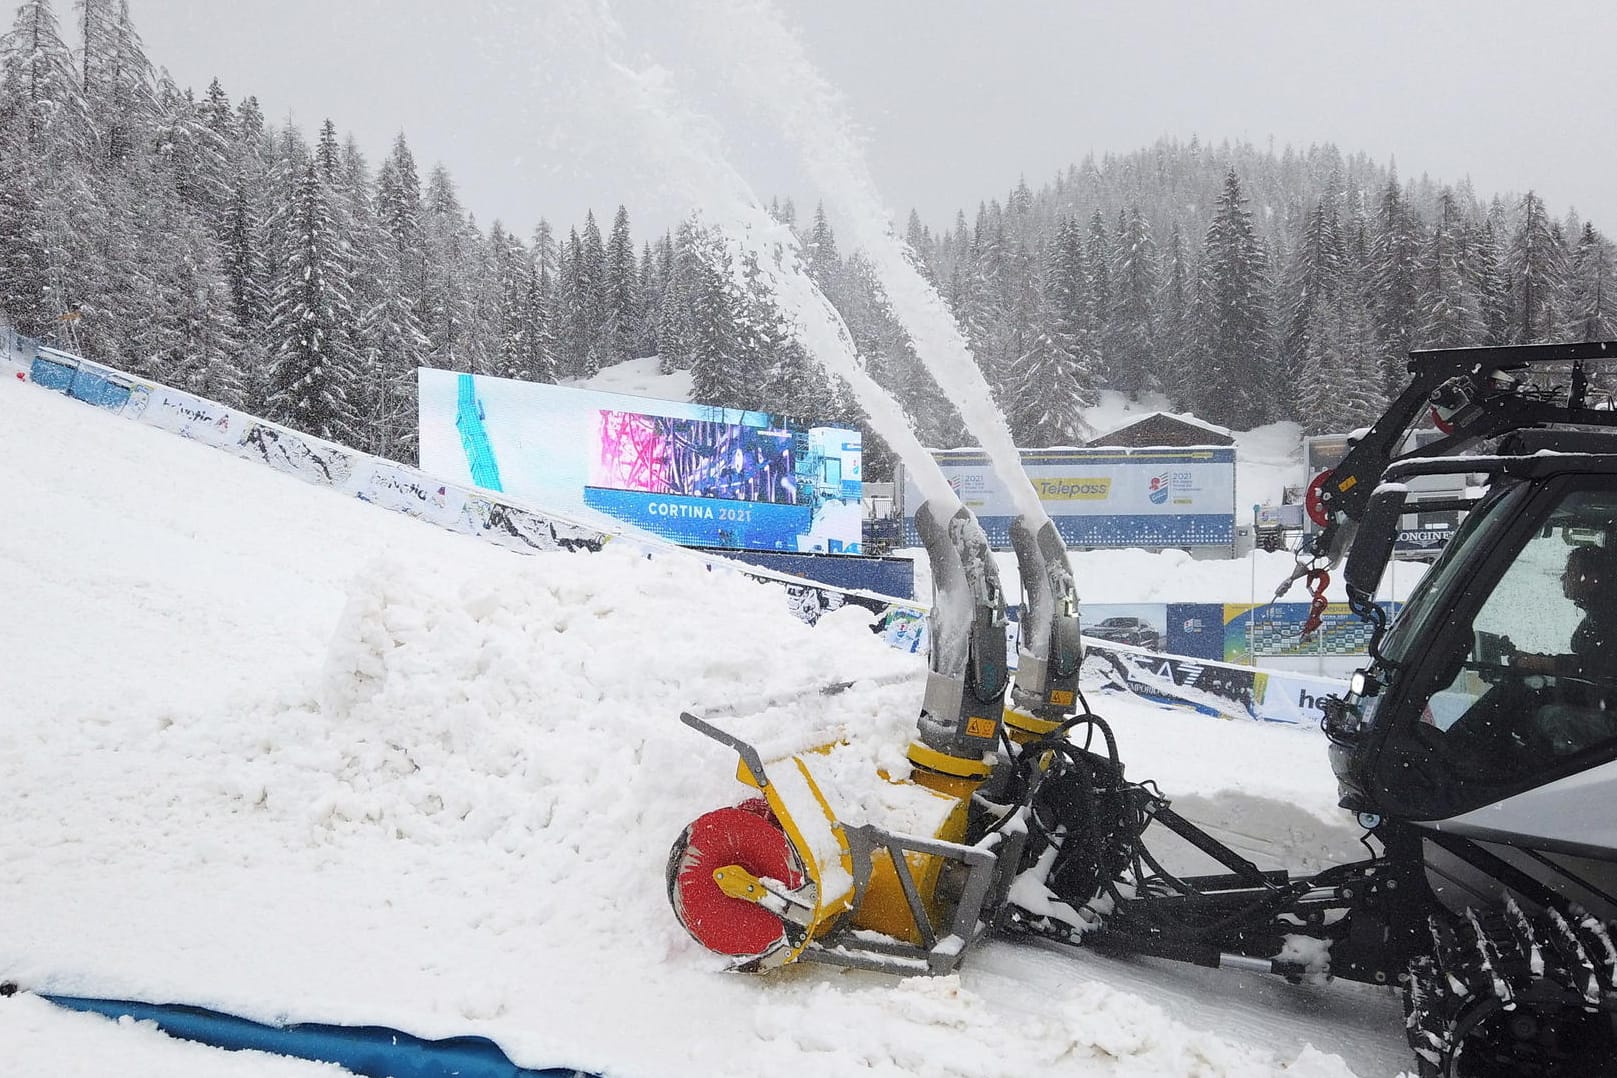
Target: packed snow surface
{"x": 274, "y": 751}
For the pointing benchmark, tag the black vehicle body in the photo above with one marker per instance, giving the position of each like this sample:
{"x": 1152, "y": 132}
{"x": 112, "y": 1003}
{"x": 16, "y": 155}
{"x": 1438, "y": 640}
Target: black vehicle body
{"x": 1483, "y": 774}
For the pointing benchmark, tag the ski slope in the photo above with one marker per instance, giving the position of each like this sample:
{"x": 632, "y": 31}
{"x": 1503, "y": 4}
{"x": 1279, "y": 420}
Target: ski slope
{"x": 271, "y": 750}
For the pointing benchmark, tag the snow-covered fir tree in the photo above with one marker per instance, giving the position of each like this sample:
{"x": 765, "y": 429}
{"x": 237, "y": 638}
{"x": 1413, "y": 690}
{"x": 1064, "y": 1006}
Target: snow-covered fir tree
{"x": 620, "y": 293}
{"x": 1231, "y": 362}
{"x": 1591, "y": 307}
{"x": 155, "y": 227}
{"x": 313, "y": 387}
{"x": 449, "y": 250}
{"x": 1135, "y": 359}
{"x": 1053, "y": 377}
{"x": 1450, "y": 310}
{"x": 1536, "y": 263}
{"x": 1395, "y": 264}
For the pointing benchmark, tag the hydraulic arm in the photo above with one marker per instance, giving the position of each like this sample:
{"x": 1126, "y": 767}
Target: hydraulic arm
{"x": 1471, "y": 394}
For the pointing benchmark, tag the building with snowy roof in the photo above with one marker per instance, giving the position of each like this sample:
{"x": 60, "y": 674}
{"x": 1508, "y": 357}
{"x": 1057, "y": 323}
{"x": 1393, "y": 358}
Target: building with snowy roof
{"x": 1162, "y": 429}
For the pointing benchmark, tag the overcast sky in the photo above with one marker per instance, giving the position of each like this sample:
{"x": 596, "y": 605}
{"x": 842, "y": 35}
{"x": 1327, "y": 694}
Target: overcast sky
{"x": 954, "y": 99}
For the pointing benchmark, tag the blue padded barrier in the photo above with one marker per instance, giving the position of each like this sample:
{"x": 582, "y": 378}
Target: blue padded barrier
{"x": 373, "y": 1051}
{"x": 51, "y": 374}
{"x": 93, "y": 387}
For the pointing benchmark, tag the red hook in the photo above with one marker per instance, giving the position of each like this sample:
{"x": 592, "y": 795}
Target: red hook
{"x": 1318, "y": 580}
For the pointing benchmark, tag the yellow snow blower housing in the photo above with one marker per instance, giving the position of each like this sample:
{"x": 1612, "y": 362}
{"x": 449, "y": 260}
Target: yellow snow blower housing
{"x": 806, "y": 872}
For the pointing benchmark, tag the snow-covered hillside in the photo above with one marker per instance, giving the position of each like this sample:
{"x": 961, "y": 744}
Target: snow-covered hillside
{"x": 271, "y": 750}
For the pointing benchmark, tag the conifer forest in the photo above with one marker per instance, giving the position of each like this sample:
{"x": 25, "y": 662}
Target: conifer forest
{"x": 178, "y": 234}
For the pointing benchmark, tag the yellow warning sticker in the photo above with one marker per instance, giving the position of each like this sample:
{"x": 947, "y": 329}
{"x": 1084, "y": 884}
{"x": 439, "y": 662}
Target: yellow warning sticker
{"x": 980, "y": 727}
{"x": 1062, "y": 698}
{"x": 1348, "y": 484}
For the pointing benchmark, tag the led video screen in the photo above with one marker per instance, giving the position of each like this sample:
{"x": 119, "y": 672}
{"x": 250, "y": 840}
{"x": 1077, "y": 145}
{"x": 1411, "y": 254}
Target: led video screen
{"x": 696, "y": 475}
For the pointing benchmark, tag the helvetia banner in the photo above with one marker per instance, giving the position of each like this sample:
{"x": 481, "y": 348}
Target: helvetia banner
{"x": 693, "y": 474}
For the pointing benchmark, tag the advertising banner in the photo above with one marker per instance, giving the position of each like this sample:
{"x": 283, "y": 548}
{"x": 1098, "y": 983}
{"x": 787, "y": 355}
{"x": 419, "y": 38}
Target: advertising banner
{"x": 294, "y": 454}
{"x": 1424, "y": 535}
{"x": 1276, "y": 629}
{"x": 1140, "y": 625}
{"x": 51, "y": 374}
{"x": 190, "y": 417}
{"x": 519, "y": 529}
{"x": 89, "y": 383}
{"x": 406, "y": 490}
{"x": 100, "y": 388}
{"x": 884, "y": 576}
{"x": 1102, "y": 497}
{"x": 695, "y": 475}
{"x": 1196, "y": 630}
{"x": 1294, "y": 698}
{"x": 904, "y": 628}
{"x": 1213, "y": 688}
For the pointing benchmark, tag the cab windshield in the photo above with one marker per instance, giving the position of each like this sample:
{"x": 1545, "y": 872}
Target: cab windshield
{"x": 1427, "y": 604}
{"x": 1511, "y": 649}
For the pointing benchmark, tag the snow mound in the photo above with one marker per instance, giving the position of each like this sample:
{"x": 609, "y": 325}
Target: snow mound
{"x": 274, "y": 751}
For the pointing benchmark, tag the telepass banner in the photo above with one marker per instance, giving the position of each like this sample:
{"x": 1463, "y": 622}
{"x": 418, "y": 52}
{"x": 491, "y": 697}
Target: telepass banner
{"x": 1102, "y": 497}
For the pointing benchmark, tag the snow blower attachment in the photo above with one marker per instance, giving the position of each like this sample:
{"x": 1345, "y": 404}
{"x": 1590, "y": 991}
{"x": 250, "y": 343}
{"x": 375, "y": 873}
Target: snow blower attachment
{"x": 784, "y": 876}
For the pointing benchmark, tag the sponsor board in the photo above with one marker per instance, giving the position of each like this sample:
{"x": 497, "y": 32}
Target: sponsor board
{"x": 1427, "y": 536}
{"x": 1195, "y": 630}
{"x": 408, "y": 491}
{"x": 1140, "y": 625}
{"x": 1254, "y": 631}
{"x": 1295, "y": 698}
{"x": 101, "y": 389}
{"x": 1232, "y": 691}
{"x": 1102, "y": 497}
{"x": 52, "y": 374}
{"x": 1214, "y": 687}
{"x": 519, "y": 529}
{"x": 904, "y": 628}
{"x": 308, "y": 459}
{"x": 192, "y": 417}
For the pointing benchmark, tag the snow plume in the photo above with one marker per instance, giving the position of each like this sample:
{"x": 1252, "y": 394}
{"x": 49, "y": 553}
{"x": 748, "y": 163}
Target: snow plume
{"x": 762, "y": 53}
{"x": 648, "y": 108}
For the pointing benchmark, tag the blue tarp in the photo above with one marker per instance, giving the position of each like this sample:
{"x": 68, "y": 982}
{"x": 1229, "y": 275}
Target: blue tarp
{"x": 374, "y": 1051}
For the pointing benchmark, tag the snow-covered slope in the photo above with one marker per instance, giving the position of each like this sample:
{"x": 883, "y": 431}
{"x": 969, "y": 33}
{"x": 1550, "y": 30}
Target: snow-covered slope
{"x": 639, "y": 378}
{"x": 271, "y": 750}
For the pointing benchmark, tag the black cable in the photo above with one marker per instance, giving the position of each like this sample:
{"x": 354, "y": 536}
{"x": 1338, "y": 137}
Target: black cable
{"x": 1102, "y": 829}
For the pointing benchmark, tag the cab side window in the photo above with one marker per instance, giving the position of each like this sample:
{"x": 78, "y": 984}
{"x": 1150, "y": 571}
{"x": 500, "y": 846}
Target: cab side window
{"x": 1531, "y": 680}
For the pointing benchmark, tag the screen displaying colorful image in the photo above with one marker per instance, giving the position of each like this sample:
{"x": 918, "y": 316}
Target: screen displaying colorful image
{"x": 696, "y": 475}
{"x": 666, "y": 455}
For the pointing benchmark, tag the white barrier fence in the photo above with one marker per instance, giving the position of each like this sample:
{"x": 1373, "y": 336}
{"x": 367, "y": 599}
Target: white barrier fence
{"x": 1211, "y": 687}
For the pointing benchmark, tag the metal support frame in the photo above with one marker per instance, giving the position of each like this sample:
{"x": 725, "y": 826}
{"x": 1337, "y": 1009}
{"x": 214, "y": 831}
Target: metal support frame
{"x": 989, "y": 865}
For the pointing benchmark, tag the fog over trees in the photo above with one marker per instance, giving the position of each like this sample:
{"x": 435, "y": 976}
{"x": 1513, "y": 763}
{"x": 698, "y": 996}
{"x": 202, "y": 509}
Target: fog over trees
{"x": 182, "y": 236}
